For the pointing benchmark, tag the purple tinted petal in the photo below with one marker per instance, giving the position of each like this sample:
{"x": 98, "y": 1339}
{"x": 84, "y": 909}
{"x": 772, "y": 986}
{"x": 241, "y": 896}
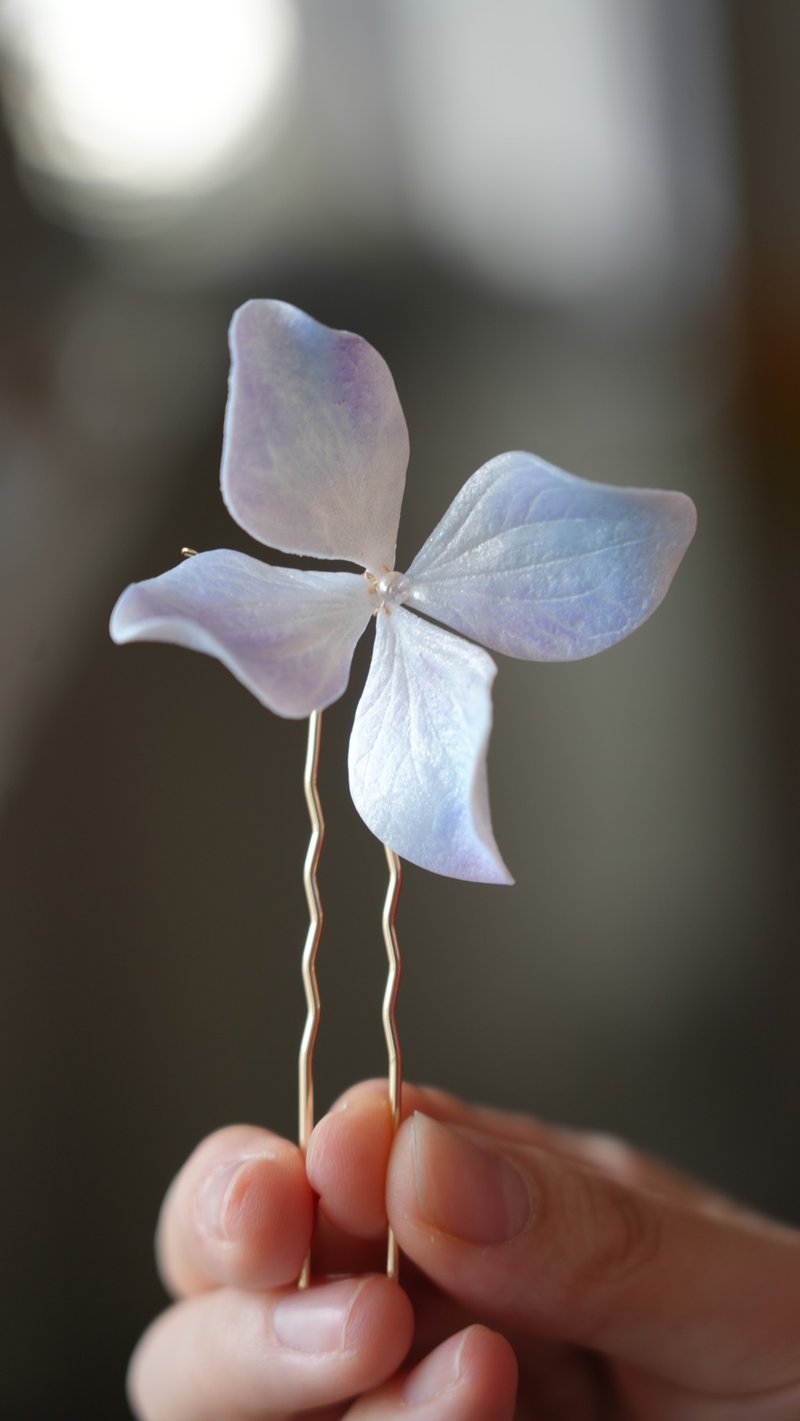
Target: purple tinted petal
{"x": 316, "y": 447}
{"x": 288, "y": 636}
{"x": 539, "y": 564}
{"x": 418, "y": 749}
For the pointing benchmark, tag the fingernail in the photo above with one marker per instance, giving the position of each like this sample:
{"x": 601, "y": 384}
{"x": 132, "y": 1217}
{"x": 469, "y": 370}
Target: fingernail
{"x": 221, "y": 1198}
{"x": 316, "y": 1321}
{"x": 464, "y": 1190}
{"x": 439, "y": 1371}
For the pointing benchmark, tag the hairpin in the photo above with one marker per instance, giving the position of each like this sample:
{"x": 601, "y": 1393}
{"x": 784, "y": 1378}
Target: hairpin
{"x": 528, "y": 560}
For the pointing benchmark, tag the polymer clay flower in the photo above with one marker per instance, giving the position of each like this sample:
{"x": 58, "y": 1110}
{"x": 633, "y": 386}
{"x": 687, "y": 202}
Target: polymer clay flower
{"x": 528, "y": 560}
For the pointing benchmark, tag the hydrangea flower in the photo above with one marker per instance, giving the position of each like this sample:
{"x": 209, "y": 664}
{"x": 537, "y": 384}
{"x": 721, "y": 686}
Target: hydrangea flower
{"x": 528, "y": 560}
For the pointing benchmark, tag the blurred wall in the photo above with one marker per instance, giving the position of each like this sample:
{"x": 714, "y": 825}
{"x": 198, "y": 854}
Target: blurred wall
{"x": 569, "y": 229}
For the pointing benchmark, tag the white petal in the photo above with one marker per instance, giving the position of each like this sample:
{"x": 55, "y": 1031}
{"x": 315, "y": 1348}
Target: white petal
{"x": 288, "y": 636}
{"x": 543, "y": 565}
{"x": 418, "y": 749}
{"x": 316, "y": 447}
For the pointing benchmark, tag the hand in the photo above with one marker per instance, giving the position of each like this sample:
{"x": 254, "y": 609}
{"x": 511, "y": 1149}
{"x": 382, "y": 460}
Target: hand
{"x": 628, "y": 1290}
{"x": 243, "y": 1342}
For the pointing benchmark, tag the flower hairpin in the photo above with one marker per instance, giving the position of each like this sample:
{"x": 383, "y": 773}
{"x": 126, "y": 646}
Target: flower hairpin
{"x": 528, "y": 560}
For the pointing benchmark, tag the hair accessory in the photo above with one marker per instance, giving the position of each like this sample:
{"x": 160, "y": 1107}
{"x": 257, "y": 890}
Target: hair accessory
{"x": 528, "y": 560}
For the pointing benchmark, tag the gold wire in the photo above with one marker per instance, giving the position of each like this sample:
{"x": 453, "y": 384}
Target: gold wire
{"x": 390, "y": 1019}
{"x": 311, "y": 1029}
{"x": 188, "y": 552}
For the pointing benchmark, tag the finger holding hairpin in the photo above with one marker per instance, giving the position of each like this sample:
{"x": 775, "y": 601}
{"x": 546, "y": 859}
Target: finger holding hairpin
{"x": 270, "y": 1355}
{"x": 236, "y": 1219}
{"x": 239, "y": 1212}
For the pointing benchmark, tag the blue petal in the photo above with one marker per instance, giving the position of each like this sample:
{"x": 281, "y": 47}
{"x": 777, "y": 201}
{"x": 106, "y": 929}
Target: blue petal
{"x": 418, "y": 749}
{"x": 287, "y": 635}
{"x": 316, "y": 447}
{"x": 542, "y": 565}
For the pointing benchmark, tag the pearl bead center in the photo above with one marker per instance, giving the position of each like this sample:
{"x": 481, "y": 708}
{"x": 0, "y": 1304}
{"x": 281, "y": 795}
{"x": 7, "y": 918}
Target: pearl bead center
{"x": 390, "y": 588}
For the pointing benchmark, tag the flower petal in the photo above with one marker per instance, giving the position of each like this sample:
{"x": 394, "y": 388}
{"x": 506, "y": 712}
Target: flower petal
{"x": 546, "y": 566}
{"x": 316, "y": 447}
{"x": 418, "y": 749}
{"x": 288, "y": 636}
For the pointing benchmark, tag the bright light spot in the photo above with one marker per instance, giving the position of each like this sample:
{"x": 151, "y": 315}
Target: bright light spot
{"x": 147, "y": 96}
{"x": 547, "y": 144}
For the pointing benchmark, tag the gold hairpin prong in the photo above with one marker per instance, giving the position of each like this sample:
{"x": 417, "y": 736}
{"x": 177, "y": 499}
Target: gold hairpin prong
{"x": 188, "y": 552}
{"x": 311, "y": 1029}
{"x": 390, "y": 1019}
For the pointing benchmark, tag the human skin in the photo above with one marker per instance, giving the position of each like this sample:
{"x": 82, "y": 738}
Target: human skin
{"x": 545, "y": 1274}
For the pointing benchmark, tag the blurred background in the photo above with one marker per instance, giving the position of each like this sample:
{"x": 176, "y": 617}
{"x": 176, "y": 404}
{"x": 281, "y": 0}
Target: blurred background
{"x": 569, "y": 228}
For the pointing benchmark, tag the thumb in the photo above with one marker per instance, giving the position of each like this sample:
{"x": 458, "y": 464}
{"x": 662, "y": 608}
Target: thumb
{"x": 698, "y": 1294}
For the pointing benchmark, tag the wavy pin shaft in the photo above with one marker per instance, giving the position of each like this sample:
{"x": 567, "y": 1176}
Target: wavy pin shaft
{"x": 390, "y": 1018}
{"x": 311, "y": 1029}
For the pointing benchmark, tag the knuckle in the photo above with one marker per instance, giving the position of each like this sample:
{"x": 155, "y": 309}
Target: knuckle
{"x": 625, "y": 1235}
{"x": 619, "y": 1240}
